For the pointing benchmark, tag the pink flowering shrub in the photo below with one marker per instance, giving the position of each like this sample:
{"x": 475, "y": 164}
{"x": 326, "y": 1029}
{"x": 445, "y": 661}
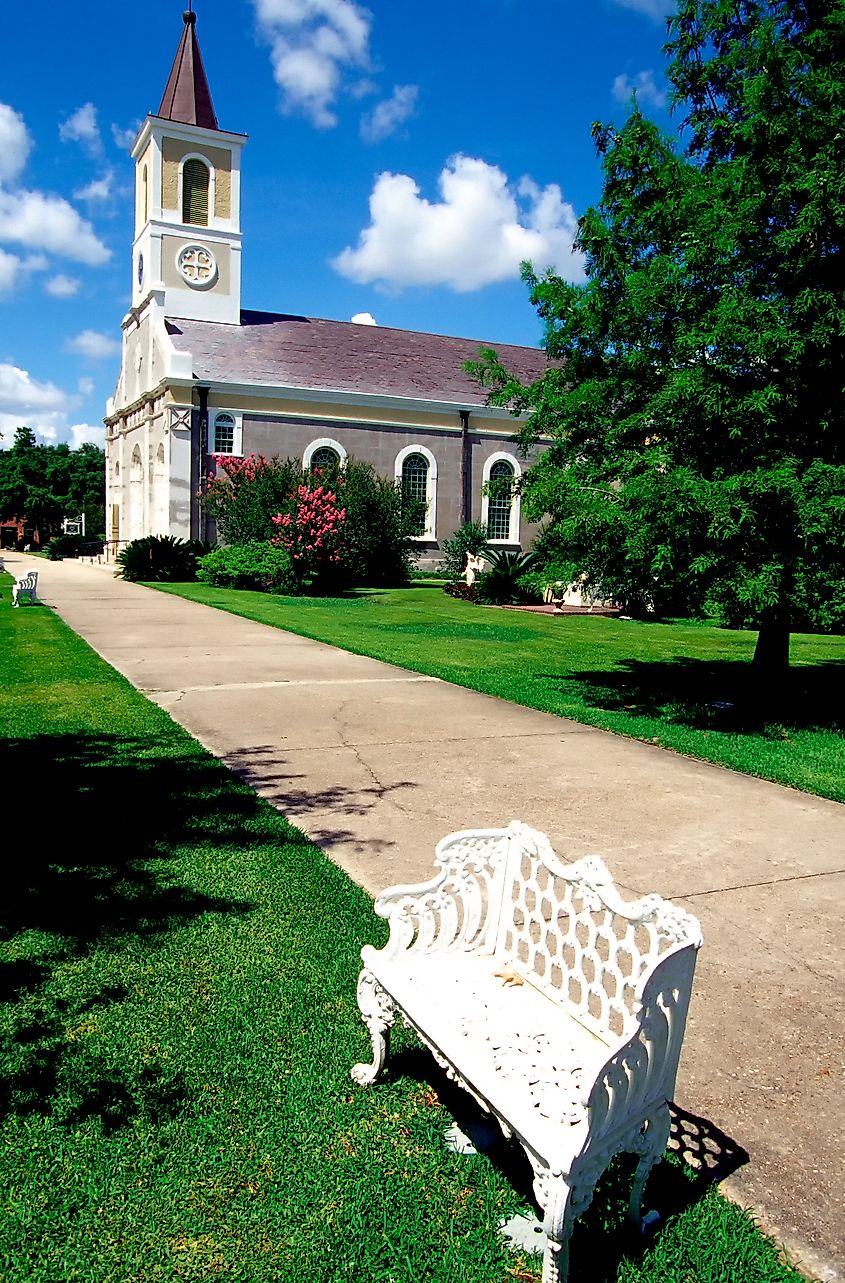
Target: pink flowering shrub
{"x": 243, "y": 493}
{"x": 312, "y": 532}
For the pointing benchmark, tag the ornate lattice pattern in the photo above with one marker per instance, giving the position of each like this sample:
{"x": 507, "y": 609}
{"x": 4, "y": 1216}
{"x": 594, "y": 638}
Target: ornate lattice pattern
{"x": 578, "y": 941}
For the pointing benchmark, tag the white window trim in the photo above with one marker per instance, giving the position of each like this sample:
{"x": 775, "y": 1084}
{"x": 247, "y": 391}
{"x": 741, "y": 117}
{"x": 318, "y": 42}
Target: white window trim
{"x": 195, "y": 155}
{"x": 430, "y": 532}
{"x": 321, "y": 443}
{"x": 238, "y": 443}
{"x": 516, "y": 503}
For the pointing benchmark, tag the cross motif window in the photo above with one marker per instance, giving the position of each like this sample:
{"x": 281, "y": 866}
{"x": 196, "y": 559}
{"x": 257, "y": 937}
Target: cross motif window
{"x": 196, "y": 265}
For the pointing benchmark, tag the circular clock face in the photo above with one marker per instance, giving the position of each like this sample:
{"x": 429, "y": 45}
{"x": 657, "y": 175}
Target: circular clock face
{"x": 140, "y": 269}
{"x": 197, "y": 265}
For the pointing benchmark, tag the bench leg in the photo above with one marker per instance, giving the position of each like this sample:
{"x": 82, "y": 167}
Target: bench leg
{"x": 651, "y": 1146}
{"x": 378, "y": 1011}
{"x": 558, "y": 1218}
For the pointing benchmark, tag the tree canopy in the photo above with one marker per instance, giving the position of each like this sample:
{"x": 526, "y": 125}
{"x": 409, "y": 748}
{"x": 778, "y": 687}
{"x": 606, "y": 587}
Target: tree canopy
{"x": 694, "y": 397}
{"x": 45, "y": 483}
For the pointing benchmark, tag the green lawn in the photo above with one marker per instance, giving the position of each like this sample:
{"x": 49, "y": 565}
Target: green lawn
{"x": 177, "y": 1023}
{"x": 663, "y": 683}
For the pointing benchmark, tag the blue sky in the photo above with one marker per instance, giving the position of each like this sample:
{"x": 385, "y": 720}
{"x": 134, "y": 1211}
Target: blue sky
{"x": 402, "y": 160}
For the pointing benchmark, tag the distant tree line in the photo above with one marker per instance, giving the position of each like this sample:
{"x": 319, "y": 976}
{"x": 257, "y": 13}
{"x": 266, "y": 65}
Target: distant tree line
{"x": 42, "y": 484}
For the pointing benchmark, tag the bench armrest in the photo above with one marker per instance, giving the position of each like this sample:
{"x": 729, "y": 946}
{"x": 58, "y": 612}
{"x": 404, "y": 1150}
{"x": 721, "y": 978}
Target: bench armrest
{"x": 459, "y": 908}
{"x": 639, "y": 1075}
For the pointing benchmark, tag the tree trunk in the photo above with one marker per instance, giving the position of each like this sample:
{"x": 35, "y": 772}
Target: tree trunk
{"x": 771, "y": 654}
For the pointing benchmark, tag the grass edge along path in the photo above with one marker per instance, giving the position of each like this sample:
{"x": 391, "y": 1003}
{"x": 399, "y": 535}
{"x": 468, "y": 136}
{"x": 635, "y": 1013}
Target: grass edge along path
{"x": 177, "y": 1024}
{"x": 681, "y": 686}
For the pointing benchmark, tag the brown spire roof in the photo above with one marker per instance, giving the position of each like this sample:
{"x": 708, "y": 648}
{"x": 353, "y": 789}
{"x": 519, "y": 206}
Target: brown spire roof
{"x": 187, "y": 98}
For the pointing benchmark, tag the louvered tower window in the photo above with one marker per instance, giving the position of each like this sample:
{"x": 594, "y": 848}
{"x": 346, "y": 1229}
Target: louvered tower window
{"x": 195, "y": 183}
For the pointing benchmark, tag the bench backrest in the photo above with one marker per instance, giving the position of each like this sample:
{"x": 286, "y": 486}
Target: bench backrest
{"x": 566, "y": 929}
{"x": 26, "y": 583}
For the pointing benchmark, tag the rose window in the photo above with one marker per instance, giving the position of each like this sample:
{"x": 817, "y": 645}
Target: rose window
{"x": 196, "y": 265}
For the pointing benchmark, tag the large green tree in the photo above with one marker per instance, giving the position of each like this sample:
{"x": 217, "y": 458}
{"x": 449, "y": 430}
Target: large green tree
{"x": 695, "y": 400}
{"x": 45, "y": 483}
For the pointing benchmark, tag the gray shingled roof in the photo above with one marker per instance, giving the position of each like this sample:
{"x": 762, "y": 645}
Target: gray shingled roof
{"x": 306, "y": 352}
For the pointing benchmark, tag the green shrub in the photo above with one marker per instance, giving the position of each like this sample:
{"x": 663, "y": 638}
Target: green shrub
{"x": 65, "y": 546}
{"x": 535, "y": 582}
{"x": 499, "y": 586}
{"x": 472, "y": 537}
{"x": 379, "y": 549}
{"x": 256, "y": 565}
{"x": 161, "y": 559}
{"x": 464, "y": 592}
{"x": 247, "y": 493}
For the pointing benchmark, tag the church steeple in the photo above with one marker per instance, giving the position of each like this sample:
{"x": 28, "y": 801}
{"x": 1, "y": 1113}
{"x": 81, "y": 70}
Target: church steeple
{"x": 187, "y": 252}
{"x": 187, "y": 97}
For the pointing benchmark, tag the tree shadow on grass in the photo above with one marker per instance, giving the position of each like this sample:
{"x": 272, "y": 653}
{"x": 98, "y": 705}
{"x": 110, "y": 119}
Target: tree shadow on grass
{"x": 699, "y": 1156}
{"x": 714, "y": 695}
{"x": 98, "y": 818}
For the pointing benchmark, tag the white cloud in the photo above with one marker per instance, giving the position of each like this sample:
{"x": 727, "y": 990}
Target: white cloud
{"x": 93, "y": 346}
{"x": 20, "y": 393}
{"x": 86, "y": 386}
{"x": 656, "y": 9}
{"x": 43, "y": 407}
{"x": 386, "y": 117}
{"x": 125, "y": 137}
{"x": 312, "y": 43}
{"x": 364, "y": 318}
{"x": 82, "y": 128}
{"x": 81, "y": 433}
{"x": 62, "y": 286}
{"x": 15, "y": 144}
{"x": 49, "y": 223}
{"x": 643, "y": 85}
{"x": 97, "y": 190}
{"x": 479, "y": 232}
{"x": 14, "y": 270}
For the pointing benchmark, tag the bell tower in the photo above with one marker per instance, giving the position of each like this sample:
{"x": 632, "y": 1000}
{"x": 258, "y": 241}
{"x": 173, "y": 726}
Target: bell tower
{"x": 187, "y": 199}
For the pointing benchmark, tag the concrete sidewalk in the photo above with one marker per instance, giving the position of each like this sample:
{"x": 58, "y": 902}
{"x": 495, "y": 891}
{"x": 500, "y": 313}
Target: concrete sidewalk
{"x": 376, "y": 764}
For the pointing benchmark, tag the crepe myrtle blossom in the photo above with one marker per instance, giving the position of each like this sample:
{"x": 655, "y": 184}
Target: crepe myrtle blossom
{"x": 312, "y": 532}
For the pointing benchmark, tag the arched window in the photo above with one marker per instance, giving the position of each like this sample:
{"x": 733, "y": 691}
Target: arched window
{"x": 324, "y": 453}
{"x": 224, "y": 433}
{"x": 415, "y": 486}
{"x": 500, "y": 502}
{"x": 195, "y": 185}
{"x": 324, "y": 457}
{"x": 416, "y": 474}
{"x": 145, "y": 196}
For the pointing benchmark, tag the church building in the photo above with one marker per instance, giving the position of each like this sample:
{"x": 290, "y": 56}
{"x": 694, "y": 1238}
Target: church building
{"x": 202, "y": 376}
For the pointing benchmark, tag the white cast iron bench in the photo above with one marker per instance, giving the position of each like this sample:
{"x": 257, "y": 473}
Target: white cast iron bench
{"x": 556, "y": 1004}
{"x": 24, "y": 586}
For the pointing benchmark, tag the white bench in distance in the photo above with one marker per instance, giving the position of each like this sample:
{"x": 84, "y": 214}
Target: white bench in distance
{"x": 556, "y": 1004}
{"x": 24, "y": 587}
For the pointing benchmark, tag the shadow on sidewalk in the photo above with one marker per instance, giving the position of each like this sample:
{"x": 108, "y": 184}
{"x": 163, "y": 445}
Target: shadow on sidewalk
{"x": 262, "y": 767}
{"x": 104, "y": 824}
{"x": 699, "y": 1156}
